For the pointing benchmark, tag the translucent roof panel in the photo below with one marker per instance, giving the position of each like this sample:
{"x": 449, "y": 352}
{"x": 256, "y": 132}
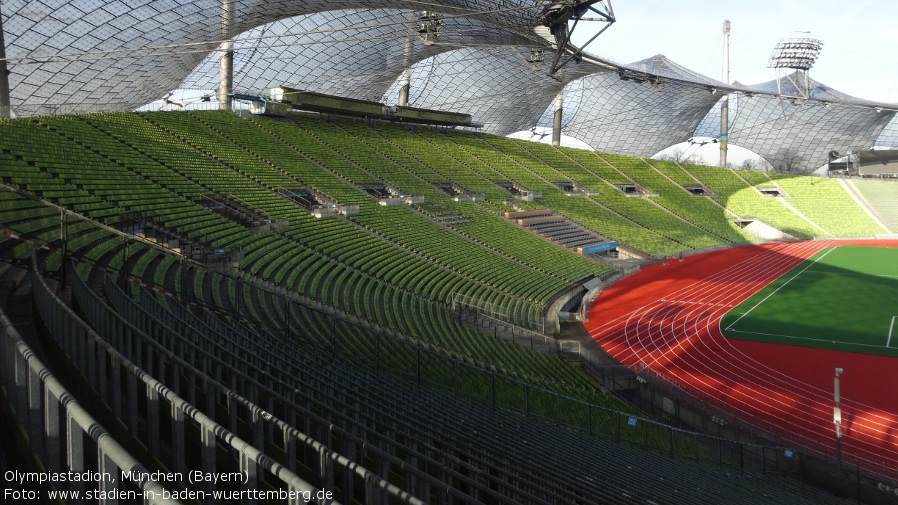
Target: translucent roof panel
{"x": 710, "y": 125}
{"x": 117, "y": 55}
{"x": 497, "y": 86}
{"x": 642, "y": 109}
{"x": 98, "y": 55}
{"x": 796, "y": 134}
{"x": 354, "y": 53}
{"x": 889, "y": 135}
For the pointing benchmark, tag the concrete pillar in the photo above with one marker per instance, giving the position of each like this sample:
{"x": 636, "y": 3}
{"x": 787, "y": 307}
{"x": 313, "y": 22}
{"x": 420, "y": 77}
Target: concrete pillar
{"x": 178, "y": 438}
{"x": 404, "y": 86}
{"x": 51, "y": 431}
{"x": 556, "y": 120}
{"x": 108, "y": 486}
{"x": 74, "y": 450}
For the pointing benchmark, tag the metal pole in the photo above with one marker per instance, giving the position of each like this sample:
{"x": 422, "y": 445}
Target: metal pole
{"x": 837, "y": 418}
{"x": 226, "y": 64}
{"x": 286, "y": 317}
{"x": 237, "y": 296}
{"x": 725, "y": 101}
{"x": 406, "y": 76}
{"x": 5, "y": 109}
{"x": 64, "y": 235}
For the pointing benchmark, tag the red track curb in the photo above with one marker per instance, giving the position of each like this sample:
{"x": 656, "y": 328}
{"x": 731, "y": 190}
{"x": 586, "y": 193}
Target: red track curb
{"x": 664, "y": 320}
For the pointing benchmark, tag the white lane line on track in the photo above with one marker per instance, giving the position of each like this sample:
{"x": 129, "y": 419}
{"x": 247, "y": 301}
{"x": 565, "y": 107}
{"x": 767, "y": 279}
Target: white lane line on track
{"x": 690, "y": 302}
{"x": 747, "y": 269}
{"x": 729, "y": 274}
{"x": 730, "y": 327}
{"x": 752, "y": 365}
{"x": 881, "y": 425}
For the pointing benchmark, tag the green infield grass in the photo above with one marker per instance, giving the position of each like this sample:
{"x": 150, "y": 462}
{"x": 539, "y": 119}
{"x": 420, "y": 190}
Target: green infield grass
{"x": 843, "y": 298}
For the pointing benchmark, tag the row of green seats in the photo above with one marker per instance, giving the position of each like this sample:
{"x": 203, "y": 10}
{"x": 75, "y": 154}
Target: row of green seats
{"x": 826, "y": 203}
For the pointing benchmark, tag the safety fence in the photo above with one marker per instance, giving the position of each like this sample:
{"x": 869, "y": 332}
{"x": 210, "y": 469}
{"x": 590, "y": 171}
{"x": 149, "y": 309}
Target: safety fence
{"x": 174, "y": 431}
{"x": 76, "y": 457}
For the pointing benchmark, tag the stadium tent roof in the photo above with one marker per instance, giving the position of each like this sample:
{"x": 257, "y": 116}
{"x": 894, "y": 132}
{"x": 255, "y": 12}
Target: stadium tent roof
{"x": 507, "y": 95}
{"x": 643, "y": 108}
{"x": 796, "y": 134}
{"x": 94, "y": 55}
{"x": 357, "y": 53}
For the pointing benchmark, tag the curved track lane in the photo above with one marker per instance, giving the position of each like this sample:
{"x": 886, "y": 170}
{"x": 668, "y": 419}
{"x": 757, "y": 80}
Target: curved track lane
{"x": 665, "y": 319}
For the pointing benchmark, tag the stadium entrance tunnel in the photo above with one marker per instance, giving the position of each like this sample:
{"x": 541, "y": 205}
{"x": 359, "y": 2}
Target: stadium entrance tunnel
{"x": 762, "y": 231}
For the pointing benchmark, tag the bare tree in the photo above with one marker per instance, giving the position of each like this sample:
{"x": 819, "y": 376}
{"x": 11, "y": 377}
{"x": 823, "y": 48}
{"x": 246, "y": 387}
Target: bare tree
{"x": 788, "y": 161}
{"x": 677, "y": 155}
{"x": 756, "y": 164}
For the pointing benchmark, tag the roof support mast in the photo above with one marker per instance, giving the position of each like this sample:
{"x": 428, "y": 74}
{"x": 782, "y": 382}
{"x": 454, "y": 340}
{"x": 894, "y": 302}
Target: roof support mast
{"x": 725, "y": 101}
{"x": 5, "y": 110}
{"x": 556, "y": 17}
{"x": 405, "y": 80}
{"x": 226, "y": 64}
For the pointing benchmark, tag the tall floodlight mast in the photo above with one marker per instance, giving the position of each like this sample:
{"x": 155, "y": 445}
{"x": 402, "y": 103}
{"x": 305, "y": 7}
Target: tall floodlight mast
{"x": 5, "y": 105}
{"x": 725, "y": 101}
{"x": 796, "y": 54}
{"x": 226, "y": 64}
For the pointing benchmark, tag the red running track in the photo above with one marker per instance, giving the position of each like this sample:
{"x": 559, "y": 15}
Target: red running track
{"x": 664, "y": 320}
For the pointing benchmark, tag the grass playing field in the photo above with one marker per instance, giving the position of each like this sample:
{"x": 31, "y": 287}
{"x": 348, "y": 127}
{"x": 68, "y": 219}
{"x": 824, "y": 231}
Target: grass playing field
{"x": 843, "y": 298}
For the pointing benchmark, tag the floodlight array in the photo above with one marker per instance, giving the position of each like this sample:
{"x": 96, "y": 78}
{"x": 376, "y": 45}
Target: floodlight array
{"x": 797, "y": 53}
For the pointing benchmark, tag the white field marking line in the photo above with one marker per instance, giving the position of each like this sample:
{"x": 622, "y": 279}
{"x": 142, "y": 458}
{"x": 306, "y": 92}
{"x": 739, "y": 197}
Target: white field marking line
{"x": 814, "y": 391}
{"x": 880, "y": 424}
{"x": 737, "y": 269}
{"x": 730, "y": 327}
{"x": 724, "y": 348}
{"x": 824, "y": 272}
{"x": 632, "y": 335}
{"x": 634, "y": 331}
{"x": 891, "y": 326}
{"x": 810, "y": 338}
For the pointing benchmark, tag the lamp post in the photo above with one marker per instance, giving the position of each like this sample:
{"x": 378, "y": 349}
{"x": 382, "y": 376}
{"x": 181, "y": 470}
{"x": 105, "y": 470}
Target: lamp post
{"x": 837, "y": 418}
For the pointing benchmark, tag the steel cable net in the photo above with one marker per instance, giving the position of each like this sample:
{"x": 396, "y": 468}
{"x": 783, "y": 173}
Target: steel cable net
{"x": 506, "y": 93}
{"x": 643, "y": 108}
{"x": 94, "y": 55}
{"x": 90, "y": 56}
{"x": 795, "y": 134}
{"x": 354, "y": 53}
